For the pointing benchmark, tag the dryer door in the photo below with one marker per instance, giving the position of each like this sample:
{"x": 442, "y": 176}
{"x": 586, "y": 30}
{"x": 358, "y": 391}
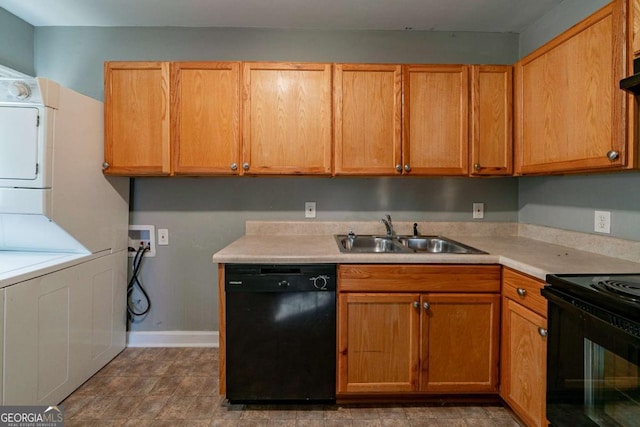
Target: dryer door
{"x": 18, "y": 144}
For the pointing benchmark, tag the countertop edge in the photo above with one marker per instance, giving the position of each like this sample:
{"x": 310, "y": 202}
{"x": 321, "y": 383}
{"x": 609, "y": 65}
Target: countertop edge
{"x": 523, "y": 254}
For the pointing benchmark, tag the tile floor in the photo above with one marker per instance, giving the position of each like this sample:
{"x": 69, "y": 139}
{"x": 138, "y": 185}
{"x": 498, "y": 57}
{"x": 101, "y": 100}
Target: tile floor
{"x": 179, "y": 387}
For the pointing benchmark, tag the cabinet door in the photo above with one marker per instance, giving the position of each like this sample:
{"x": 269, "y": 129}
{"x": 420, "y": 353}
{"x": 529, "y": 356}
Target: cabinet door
{"x": 634, "y": 12}
{"x": 287, "y": 118}
{"x": 206, "y": 118}
{"x": 136, "y": 118}
{"x": 491, "y": 120}
{"x": 524, "y": 362}
{"x": 378, "y": 337}
{"x": 39, "y": 336}
{"x": 367, "y": 111}
{"x": 436, "y": 136}
{"x": 61, "y": 328}
{"x": 569, "y": 109}
{"x": 459, "y": 349}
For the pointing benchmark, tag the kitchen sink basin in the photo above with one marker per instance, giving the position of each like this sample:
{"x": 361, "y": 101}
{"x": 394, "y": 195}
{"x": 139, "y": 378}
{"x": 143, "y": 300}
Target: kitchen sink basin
{"x": 370, "y": 244}
{"x": 402, "y": 244}
{"x": 436, "y": 244}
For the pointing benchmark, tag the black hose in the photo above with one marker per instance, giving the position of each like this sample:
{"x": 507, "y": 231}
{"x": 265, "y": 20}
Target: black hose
{"x": 135, "y": 282}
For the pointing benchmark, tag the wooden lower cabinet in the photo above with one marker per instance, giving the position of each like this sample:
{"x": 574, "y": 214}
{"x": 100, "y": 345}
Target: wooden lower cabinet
{"x": 378, "y": 342}
{"x": 459, "y": 343}
{"x": 395, "y": 342}
{"x": 523, "y": 367}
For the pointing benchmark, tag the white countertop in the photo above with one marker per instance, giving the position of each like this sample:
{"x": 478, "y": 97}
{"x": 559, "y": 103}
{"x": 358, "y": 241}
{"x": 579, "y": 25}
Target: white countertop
{"x": 533, "y": 257}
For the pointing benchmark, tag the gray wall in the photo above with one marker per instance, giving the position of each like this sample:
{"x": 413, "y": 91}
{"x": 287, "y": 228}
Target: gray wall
{"x": 16, "y": 45}
{"x": 569, "y": 202}
{"x": 562, "y": 17}
{"x": 204, "y": 215}
{"x": 86, "y": 48}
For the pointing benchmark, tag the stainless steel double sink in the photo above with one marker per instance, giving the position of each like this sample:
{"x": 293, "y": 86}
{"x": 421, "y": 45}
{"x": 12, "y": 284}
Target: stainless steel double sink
{"x": 351, "y": 243}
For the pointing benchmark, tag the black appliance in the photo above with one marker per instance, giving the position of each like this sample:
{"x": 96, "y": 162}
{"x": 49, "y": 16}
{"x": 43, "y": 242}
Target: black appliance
{"x": 632, "y": 83}
{"x": 593, "y": 350}
{"x": 280, "y": 333}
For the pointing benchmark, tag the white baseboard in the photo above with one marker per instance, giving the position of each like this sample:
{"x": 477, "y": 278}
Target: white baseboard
{"x": 173, "y": 339}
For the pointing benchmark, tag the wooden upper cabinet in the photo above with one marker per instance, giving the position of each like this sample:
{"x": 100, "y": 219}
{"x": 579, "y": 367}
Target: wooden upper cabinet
{"x": 491, "y": 120}
{"x": 367, "y": 118}
{"x": 205, "y": 99}
{"x": 635, "y": 25}
{"x": 570, "y": 112}
{"x": 436, "y": 136}
{"x": 287, "y": 118}
{"x": 137, "y": 118}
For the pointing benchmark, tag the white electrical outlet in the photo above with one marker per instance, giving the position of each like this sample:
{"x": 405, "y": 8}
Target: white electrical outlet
{"x": 309, "y": 209}
{"x": 478, "y": 210}
{"x": 602, "y": 222}
{"x": 163, "y": 236}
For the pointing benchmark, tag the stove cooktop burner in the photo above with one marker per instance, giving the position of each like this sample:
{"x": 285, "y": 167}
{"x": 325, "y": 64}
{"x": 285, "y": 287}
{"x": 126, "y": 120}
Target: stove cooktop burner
{"x": 624, "y": 288}
{"x": 616, "y": 293}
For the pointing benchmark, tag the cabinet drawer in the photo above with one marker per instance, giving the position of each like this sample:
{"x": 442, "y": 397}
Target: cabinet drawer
{"x": 418, "y": 278}
{"x": 525, "y": 290}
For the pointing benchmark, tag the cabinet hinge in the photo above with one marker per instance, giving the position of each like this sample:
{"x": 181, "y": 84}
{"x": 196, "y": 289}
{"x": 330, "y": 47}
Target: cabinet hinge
{"x": 38, "y": 120}
{"x": 37, "y": 168}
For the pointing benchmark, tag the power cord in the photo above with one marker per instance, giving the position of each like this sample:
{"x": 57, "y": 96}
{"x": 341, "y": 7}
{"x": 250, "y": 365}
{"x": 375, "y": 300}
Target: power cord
{"x": 135, "y": 282}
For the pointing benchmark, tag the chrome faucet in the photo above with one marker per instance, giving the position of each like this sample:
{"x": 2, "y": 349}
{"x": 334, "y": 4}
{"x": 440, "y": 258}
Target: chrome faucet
{"x": 388, "y": 224}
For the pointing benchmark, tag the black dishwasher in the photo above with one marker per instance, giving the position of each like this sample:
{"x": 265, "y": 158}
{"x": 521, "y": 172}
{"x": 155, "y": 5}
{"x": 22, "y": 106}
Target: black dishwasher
{"x": 280, "y": 332}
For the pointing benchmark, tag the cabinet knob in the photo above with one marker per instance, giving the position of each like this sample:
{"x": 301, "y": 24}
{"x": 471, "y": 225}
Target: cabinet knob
{"x": 399, "y": 168}
{"x": 613, "y": 155}
{"x": 426, "y": 305}
{"x": 105, "y": 165}
{"x": 416, "y": 304}
{"x": 543, "y": 332}
{"x": 476, "y": 167}
{"x": 245, "y": 166}
{"x": 234, "y": 166}
{"x": 522, "y": 292}
{"x": 407, "y": 168}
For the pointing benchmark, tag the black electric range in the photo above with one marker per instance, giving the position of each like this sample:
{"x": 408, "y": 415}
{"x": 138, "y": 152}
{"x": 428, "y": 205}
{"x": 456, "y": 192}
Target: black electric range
{"x": 593, "y": 349}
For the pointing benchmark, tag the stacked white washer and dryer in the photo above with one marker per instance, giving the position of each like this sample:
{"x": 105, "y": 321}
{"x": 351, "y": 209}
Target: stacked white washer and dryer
{"x": 63, "y": 242}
